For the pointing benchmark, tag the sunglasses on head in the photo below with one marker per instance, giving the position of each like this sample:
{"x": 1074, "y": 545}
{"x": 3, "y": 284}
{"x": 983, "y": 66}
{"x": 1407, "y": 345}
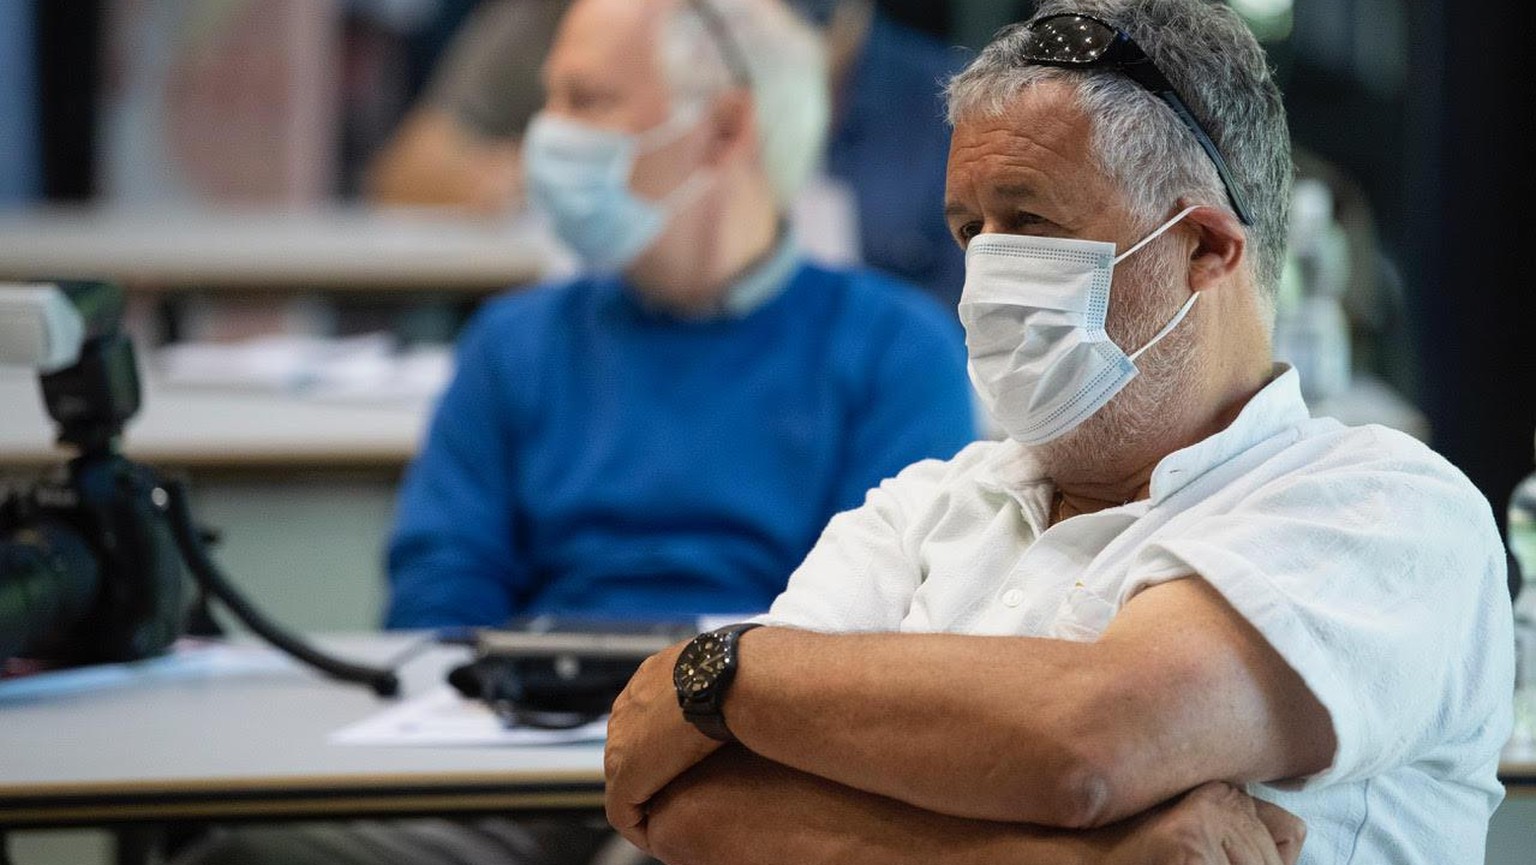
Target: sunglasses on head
{"x": 1074, "y": 41}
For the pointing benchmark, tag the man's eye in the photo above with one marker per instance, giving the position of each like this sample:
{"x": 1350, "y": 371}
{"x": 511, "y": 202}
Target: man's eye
{"x": 968, "y": 231}
{"x": 588, "y": 99}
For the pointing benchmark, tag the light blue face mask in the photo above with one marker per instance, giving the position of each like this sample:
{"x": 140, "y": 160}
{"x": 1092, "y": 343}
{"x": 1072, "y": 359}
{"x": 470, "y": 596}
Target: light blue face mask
{"x": 579, "y": 176}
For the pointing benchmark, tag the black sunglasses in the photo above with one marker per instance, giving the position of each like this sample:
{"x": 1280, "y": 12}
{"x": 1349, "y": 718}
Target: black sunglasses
{"x": 729, "y": 48}
{"x": 1076, "y": 41}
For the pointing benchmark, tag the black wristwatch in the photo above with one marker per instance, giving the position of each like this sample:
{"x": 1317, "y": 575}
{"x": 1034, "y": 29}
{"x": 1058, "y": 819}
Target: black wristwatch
{"x": 703, "y": 673}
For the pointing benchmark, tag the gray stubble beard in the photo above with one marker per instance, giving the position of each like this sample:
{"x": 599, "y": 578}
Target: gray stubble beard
{"x": 1138, "y": 423}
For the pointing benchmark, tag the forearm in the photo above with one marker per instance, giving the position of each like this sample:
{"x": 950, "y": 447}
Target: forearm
{"x": 740, "y": 809}
{"x": 937, "y": 721}
{"x": 1178, "y": 691}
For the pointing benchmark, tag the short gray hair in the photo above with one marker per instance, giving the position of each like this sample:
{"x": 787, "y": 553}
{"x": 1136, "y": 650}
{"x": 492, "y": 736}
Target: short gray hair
{"x": 1215, "y": 63}
{"x": 786, "y": 62}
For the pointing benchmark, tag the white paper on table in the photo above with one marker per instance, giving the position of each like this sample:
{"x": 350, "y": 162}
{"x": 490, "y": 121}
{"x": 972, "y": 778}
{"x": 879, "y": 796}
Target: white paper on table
{"x": 444, "y": 718}
{"x": 189, "y": 659}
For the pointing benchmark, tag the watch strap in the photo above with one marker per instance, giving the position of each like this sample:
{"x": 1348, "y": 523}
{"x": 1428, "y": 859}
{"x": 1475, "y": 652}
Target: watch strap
{"x": 708, "y": 718}
{"x": 711, "y": 724}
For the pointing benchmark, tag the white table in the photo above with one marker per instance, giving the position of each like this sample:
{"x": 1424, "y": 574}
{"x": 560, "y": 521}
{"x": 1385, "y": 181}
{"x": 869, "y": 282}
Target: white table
{"x": 334, "y": 249}
{"x": 253, "y": 745}
{"x": 226, "y": 429}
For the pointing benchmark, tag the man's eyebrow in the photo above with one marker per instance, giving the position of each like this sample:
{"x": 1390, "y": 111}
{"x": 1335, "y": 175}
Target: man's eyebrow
{"x": 1015, "y": 189}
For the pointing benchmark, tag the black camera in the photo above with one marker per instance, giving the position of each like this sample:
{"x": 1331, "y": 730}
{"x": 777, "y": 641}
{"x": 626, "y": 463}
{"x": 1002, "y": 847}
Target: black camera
{"x": 89, "y": 569}
{"x": 91, "y": 561}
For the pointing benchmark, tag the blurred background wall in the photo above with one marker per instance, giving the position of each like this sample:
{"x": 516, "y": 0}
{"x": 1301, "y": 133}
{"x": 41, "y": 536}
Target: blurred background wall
{"x": 20, "y": 170}
{"x": 1408, "y": 108}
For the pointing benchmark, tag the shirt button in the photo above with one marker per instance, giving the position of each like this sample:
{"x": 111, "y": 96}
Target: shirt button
{"x": 1012, "y": 598}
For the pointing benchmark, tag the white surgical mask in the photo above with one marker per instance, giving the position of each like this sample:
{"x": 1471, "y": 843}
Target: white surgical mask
{"x": 579, "y": 175}
{"x": 1033, "y": 310}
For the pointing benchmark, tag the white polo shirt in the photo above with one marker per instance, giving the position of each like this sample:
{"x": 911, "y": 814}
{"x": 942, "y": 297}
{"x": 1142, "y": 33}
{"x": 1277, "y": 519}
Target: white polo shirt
{"x": 1369, "y": 562}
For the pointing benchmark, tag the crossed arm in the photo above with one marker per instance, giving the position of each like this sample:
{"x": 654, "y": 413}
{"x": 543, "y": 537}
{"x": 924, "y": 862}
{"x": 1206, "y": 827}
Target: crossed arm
{"x": 745, "y": 810}
{"x": 1180, "y": 690}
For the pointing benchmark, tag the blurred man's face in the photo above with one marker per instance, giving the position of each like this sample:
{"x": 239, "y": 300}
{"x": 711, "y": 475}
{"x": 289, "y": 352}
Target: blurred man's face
{"x": 604, "y": 70}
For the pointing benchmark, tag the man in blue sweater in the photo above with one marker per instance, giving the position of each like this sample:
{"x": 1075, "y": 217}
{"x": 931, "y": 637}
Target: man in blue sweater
{"x": 669, "y": 434}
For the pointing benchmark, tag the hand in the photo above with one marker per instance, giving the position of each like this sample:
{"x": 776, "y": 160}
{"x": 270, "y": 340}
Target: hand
{"x": 649, "y": 744}
{"x": 1215, "y": 824}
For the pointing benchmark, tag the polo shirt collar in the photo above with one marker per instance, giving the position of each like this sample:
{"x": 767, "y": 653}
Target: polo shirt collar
{"x": 757, "y": 286}
{"x": 765, "y": 280}
{"x": 1275, "y": 408}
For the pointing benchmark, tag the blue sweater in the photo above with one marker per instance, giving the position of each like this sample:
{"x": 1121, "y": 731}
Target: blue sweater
{"x": 595, "y": 457}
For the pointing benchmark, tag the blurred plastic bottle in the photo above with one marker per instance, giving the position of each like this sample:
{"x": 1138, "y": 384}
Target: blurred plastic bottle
{"x": 1311, "y": 330}
{"x": 1522, "y": 542}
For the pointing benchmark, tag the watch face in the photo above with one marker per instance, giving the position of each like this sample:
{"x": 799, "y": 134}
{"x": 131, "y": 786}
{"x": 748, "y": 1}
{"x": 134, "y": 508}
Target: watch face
{"x": 700, "y": 666}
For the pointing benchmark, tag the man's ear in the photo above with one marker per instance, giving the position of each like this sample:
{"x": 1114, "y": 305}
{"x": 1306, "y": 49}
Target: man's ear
{"x": 733, "y": 121}
{"x": 1221, "y": 244}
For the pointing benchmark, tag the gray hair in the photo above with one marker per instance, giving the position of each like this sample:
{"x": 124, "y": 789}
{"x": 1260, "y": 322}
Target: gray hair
{"x": 786, "y": 62}
{"x": 1217, "y": 66}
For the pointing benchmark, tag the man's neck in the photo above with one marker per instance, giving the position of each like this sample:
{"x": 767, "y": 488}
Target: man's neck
{"x": 1104, "y": 483}
{"x": 705, "y": 252}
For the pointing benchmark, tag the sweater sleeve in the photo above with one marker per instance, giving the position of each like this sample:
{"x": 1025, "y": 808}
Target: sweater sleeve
{"x": 452, "y": 557}
{"x": 915, "y": 399}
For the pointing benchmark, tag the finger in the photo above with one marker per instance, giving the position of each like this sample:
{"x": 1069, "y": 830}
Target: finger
{"x": 637, "y": 836}
{"x": 1245, "y": 839}
{"x": 1248, "y": 840}
{"x": 1217, "y": 794}
{"x": 625, "y": 816}
{"x": 623, "y": 811}
{"x": 1287, "y": 830}
{"x": 621, "y": 815}
{"x": 1245, "y": 847}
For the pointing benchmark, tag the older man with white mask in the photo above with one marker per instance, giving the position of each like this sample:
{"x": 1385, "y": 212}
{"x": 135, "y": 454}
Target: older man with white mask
{"x": 1168, "y": 576}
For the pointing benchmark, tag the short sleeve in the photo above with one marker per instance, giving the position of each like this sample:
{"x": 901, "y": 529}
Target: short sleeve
{"x": 863, "y": 572}
{"x": 1377, "y": 573}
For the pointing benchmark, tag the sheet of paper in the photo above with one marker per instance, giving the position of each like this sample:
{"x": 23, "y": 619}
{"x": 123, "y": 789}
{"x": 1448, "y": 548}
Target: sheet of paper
{"x": 442, "y": 718}
{"x": 188, "y": 659}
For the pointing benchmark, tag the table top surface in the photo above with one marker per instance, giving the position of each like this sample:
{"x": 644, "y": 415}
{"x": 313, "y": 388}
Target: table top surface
{"x": 330, "y": 248}
{"x": 255, "y": 742}
{"x": 223, "y": 428}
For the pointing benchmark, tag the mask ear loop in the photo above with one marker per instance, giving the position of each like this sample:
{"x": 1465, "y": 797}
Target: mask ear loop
{"x": 683, "y": 119}
{"x": 1158, "y": 233}
{"x": 1194, "y": 296}
{"x": 1167, "y": 328}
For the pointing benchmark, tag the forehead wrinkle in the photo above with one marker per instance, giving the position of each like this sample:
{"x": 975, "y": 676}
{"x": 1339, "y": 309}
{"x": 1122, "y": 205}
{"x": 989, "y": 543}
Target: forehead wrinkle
{"x": 1024, "y": 173}
{"x": 1039, "y": 142}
